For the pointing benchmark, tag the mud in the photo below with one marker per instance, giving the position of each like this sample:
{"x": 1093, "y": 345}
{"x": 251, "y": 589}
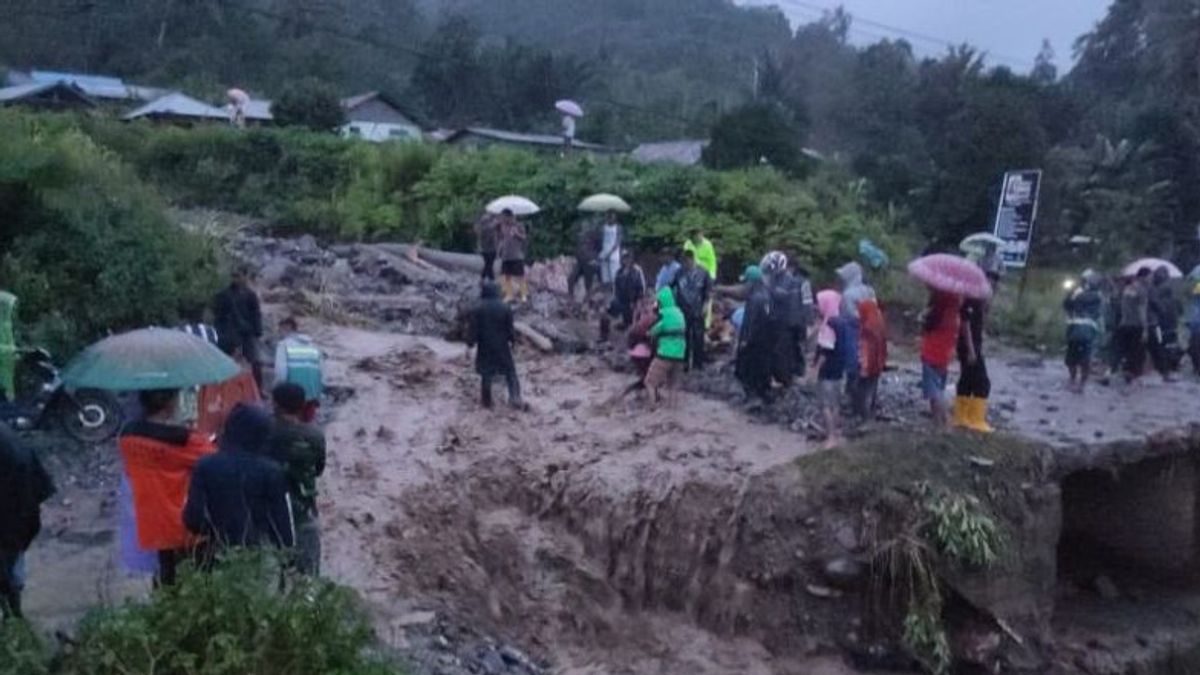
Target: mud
{"x": 590, "y": 535}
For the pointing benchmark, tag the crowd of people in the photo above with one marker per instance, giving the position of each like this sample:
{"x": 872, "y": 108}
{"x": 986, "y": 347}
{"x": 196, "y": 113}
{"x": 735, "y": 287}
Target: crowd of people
{"x": 1130, "y": 324}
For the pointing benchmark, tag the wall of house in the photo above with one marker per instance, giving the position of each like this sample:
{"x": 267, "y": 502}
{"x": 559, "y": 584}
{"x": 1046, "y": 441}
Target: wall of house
{"x": 378, "y": 132}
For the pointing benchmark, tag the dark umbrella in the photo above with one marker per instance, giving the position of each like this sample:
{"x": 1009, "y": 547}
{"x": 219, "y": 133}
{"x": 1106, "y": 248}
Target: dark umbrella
{"x": 150, "y": 358}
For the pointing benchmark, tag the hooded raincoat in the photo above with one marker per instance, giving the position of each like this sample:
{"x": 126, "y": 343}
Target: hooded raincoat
{"x": 753, "y": 365}
{"x": 670, "y": 331}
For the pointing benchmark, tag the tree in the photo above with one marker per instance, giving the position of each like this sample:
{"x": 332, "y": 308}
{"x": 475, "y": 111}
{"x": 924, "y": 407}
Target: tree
{"x": 450, "y": 77}
{"x": 311, "y": 104}
{"x": 753, "y": 134}
{"x": 1044, "y": 71}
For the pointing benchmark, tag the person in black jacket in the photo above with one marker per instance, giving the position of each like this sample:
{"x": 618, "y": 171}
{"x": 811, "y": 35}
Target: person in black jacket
{"x": 24, "y": 486}
{"x": 238, "y": 319}
{"x": 493, "y": 333}
{"x": 753, "y": 365}
{"x": 1162, "y": 339}
{"x": 693, "y": 288}
{"x": 238, "y": 497}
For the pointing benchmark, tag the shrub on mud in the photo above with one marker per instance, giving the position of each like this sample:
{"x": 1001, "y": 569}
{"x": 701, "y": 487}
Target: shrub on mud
{"x": 86, "y": 246}
{"x": 231, "y": 621}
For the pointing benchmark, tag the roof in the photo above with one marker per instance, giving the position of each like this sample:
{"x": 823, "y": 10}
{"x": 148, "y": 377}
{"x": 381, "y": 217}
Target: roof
{"x": 518, "y": 138}
{"x": 99, "y": 86}
{"x": 349, "y": 104}
{"x": 178, "y": 105}
{"x": 24, "y": 91}
{"x": 685, "y": 152}
{"x": 255, "y": 109}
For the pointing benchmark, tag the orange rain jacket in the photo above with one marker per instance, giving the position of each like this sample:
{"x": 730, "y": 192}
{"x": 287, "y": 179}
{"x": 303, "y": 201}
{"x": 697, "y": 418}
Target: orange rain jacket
{"x": 159, "y": 460}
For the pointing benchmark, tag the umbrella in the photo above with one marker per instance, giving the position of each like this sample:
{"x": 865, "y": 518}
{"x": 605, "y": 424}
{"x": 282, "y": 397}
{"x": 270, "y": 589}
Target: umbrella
{"x": 980, "y": 241}
{"x": 238, "y": 97}
{"x": 150, "y": 358}
{"x": 604, "y": 202}
{"x": 1194, "y": 275}
{"x": 518, "y": 205}
{"x": 951, "y": 274}
{"x": 570, "y": 108}
{"x": 1153, "y": 264}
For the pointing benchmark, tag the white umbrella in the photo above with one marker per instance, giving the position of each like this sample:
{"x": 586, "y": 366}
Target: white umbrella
{"x": 1152, "y": 264}
{"x": 569, "y": 108}
{"x": 603, "y": 202}
{"x": 519, "y": 205}
{"x": 980, "y": 240}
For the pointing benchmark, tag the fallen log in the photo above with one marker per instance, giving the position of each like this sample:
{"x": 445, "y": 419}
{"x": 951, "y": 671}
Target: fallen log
{"x": 537, "y": 339}
{"x": 447, "y": 260}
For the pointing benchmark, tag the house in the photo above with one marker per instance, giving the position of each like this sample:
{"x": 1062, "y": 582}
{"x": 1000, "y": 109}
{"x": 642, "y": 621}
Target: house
{"x": 100, "y": 88}
{"x": 376, "y": 117}
{"x": 46, "y": 96}
{"x": 684, "y": 152}
{"x": 179, "y": 109}
{"x": 481, "y": 137}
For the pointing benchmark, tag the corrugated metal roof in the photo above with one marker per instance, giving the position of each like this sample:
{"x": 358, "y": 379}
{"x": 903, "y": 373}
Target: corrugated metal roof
{"x": 523, "y": 138}
{"x": 685, "y": 152}
{"x": 23, "y": 91}
{"x": 255, "y": 109}
{"x": 100, "y": 86}
{"x": 178, "y": 105}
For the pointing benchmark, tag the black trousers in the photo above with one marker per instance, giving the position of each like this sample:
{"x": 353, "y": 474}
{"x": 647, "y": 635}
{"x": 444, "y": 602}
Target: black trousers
{"x": 1131, "y": 345}
{"x": 974, "y": 382}
{"x": 799, "y": 364}
{"x": 489, "y": 266}
{"x": 10, "y": 594}
{"x": 1194, "y": 350}
{"x": 510, "y": 377}
{"x": 584, "y": 271}
{"x": 1163, "y": 345}
{"x": 695, "y": 341}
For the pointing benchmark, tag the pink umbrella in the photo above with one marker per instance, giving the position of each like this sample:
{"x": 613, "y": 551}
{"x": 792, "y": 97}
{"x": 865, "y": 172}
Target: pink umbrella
{"x": 951, "y": 274}
{"x": 238, "y": 97}
{"x": 1152, "y": 264}
{"x": 569, "y": 108}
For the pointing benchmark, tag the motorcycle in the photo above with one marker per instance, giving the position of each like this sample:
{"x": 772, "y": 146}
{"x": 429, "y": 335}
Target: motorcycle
{"x": 42, "y": 401}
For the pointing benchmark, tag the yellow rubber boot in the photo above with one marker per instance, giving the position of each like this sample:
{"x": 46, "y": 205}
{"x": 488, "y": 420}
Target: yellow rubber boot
{"x": 977, "y": 408}
{"x": 962, "y": 412}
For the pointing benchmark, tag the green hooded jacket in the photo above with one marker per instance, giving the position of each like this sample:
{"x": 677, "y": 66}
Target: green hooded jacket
{"x": 670, "y": 331}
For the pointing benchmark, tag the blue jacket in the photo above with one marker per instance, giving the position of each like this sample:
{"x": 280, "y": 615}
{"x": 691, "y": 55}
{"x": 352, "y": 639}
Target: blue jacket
{"x": 238, "y": 497}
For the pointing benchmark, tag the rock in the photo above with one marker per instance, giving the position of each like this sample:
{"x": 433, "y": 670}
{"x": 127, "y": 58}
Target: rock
{"x": 844, "y": 572}
{"x": 846, "y": 537}
{"x": 514, "y": 657}
{"x": 491, "y": 662}
{"x": 416, "y": 619}
{"x": 1106, "y": 588}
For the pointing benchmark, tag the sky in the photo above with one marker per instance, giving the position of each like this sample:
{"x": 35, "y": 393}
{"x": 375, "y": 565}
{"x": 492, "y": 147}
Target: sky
{"x": 1011, "y": 31}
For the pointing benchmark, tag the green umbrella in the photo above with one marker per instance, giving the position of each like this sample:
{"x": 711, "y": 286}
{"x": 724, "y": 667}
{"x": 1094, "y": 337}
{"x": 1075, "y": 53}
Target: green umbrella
{"x": 150, "y": 358}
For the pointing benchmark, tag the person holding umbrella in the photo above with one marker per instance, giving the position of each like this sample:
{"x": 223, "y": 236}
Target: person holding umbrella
{"x": 158, "y": 453}
{"x": 512, "y": 241}
{"x": 950, "y": 279}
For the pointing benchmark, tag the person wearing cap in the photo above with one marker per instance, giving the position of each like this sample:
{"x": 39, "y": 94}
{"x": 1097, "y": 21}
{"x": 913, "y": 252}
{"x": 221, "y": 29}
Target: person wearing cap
{"x": 1084, "y": 307}
{"x": 753, "y": 362}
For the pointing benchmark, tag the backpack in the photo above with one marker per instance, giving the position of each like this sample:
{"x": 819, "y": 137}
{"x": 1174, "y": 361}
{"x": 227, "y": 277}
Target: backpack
{"x": 303, "y": 366}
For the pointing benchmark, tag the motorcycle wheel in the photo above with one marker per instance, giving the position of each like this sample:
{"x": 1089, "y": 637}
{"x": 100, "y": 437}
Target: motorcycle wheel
{"x": 90, "y": 416}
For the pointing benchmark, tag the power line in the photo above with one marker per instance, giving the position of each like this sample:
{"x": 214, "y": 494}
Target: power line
{"x": 904, "y": 32}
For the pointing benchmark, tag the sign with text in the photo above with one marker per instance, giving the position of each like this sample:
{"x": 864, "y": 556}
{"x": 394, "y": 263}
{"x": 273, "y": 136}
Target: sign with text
{"x": 1016, "y": 214}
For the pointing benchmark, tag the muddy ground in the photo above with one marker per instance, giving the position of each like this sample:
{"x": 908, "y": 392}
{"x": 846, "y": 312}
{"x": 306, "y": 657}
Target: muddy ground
{"x": 579, "y": 536}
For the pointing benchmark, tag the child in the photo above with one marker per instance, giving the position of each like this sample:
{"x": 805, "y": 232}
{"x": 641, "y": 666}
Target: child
{"x": 939, "y": 336}
{"x": 670, "y": 332}
{"x": 831, "y": 361}
{"x": 298, "y": 361}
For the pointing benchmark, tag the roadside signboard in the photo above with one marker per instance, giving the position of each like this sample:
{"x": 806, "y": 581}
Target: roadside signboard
{"x": 1016, "y": 214}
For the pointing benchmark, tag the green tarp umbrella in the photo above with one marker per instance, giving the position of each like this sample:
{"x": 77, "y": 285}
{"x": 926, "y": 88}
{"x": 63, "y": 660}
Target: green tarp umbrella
{"x": 150, "y": 358}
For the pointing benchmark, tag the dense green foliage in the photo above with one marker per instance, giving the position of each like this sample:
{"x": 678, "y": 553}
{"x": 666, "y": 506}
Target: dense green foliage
{"x": 755, "y": 134}
{"x": 228, "y": 622}
{"x": 311, "y": 104}
{"x": 86, "y": 247}
{"x": 342, "y": 189}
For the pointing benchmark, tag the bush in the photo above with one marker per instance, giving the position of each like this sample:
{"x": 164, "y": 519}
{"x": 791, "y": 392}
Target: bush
{"x": 311, "y": 104}
{"x": 22, "y": 652}
{"x": 348, "y": 189}
{"x": 230, "y": 622}
{"x": 87, "y": 247}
